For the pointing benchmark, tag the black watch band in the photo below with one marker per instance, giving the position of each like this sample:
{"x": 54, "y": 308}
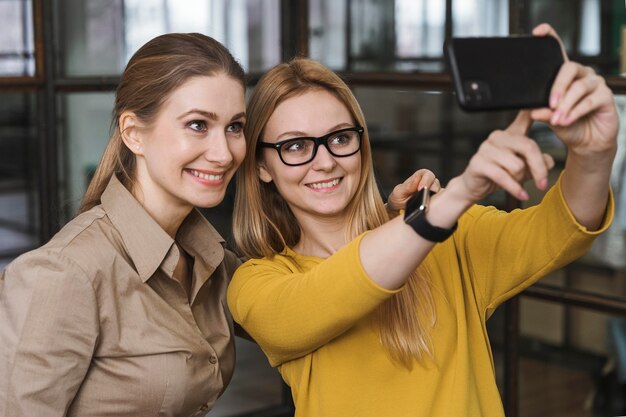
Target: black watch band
{"x": 415, "y": 216}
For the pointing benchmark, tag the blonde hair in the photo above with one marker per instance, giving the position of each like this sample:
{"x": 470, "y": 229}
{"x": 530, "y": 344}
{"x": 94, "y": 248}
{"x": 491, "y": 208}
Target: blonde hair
{"x": 263, "y": 224}
{"x": 152, "y": 74}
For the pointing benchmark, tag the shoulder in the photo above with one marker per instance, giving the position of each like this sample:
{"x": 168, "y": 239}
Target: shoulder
{"x": 86, "y": 244}
{"x": 261, "y": 271}
{"x": 49, "y": 273}
{"x": 279, "y": 263}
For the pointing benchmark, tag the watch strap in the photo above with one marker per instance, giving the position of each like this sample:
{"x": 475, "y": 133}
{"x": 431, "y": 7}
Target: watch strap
{"x": 415, "y": 216}
{"x": 422, "y": 227}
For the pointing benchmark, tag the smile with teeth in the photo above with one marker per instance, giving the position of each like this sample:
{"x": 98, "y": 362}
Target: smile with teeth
{"x": 322, "y": 185}
{"x": 208, "y": 177}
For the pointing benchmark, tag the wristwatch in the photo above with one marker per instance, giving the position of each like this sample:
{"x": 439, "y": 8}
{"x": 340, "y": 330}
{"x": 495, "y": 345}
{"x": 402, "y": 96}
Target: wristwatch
{"x": 415, "y": 216}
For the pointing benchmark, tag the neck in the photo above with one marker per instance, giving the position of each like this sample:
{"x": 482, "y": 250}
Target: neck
{"x": 321, "y": 237}
{"x": 170, "y": 224}
{"x": 168, "y": 216}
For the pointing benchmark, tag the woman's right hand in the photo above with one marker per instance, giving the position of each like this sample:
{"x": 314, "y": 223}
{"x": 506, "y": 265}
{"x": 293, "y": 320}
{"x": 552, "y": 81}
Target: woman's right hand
{"x": 505, "y": 160}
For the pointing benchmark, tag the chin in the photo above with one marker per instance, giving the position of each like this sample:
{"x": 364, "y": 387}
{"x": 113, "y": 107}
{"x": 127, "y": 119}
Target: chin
{"x": 203, "y": 198}
{"x": 209, "y": 203}
{"x": 329, "y": 211}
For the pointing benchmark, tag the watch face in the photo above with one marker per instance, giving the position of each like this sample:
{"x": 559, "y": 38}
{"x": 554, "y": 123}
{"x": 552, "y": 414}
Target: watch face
{"x": 419, "y": 201}
{"x": 414, "y": 217}
{"x": 417, "y": 204}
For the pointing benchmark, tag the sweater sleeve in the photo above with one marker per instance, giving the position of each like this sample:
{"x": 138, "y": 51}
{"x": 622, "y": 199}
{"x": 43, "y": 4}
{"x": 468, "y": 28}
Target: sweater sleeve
{"x": 291, "y": 312}
{"x": 504, "y": 253}
{"x": 48, "y": 328}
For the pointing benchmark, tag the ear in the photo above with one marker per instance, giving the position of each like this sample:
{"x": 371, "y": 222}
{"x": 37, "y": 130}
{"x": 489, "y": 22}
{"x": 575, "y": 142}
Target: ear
{"x": 264, "y": 174}
{"x": 130, "y": 131}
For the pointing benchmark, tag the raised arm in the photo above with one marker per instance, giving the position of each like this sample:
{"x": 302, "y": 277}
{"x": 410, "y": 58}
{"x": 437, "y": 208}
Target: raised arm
{"x": 582, "y": 114}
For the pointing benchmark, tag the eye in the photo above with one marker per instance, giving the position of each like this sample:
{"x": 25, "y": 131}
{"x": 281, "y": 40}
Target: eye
{"x": 236, "y": 127}
{"x": 197, "y": 125}
{"x": 296, "y": 146}
{"x": 341, "y": 139}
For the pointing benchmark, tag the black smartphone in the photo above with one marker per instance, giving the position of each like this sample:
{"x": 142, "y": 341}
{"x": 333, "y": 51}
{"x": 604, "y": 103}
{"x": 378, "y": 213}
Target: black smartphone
{"x": 498, "y": 73}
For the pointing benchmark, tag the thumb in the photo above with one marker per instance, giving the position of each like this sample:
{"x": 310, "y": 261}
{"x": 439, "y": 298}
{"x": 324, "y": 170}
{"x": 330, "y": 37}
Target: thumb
{"x": 521, "y": 124}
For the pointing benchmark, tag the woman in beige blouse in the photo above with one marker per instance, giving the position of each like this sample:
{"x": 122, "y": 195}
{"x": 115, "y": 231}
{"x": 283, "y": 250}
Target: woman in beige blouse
{"x": 122, "y": 312}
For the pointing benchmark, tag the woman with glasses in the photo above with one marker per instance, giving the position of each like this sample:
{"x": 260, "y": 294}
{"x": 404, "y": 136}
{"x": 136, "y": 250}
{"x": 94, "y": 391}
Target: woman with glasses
{"x": 369, "y": 316}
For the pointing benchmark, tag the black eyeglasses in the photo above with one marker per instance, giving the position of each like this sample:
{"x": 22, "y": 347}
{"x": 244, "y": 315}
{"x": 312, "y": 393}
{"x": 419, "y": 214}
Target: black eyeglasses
{"x": 299, "y": 151}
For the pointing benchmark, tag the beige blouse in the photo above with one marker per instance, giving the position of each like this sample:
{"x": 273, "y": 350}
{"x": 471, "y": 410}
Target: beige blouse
{"x": 94, "y": 324}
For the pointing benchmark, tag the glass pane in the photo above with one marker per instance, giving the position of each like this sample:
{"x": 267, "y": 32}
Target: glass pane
{"x": 412, "y": 129}
{"x": 400, "y": 35}
{"x": 573, "y": 361}
{"x": 17, "y": 51}
{"x": 405, "y": 35}
{"x": 561, "y": 15}
{"x": 18, "y": 172}
{"x": 327, "y": 32}
{"x": 85, "y": 133}
{"x": 593, "y": 31}
{"x": 480, "y": 18}
{"x": 91, "y": 37}
{"x": 419, "y": 28}
{"x": 255, "y": 386}
{"x": 99, "y": 37}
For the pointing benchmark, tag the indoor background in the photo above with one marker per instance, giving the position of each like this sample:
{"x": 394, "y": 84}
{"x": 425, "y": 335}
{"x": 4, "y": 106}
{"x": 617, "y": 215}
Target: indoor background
{"x": 559, "y": 348}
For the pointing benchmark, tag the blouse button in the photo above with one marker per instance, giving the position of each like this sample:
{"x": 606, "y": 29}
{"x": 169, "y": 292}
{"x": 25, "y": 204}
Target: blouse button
{"x": 213, "y": 359}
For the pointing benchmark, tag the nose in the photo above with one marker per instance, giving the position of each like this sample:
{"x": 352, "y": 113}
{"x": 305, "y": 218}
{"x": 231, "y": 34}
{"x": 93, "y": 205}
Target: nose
{"x": 218, "y": 149}
{"x": 323, "y": 159}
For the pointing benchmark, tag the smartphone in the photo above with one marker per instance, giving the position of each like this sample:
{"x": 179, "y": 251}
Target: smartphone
{"x": 498, "y": 73}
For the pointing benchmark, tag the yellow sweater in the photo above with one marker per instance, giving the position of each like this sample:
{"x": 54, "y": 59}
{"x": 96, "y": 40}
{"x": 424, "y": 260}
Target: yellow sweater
{"x": 310, "y": 315}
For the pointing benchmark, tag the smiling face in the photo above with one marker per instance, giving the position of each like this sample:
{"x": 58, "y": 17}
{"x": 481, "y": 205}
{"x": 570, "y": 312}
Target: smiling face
{"x": 326, "y": 185}
{"x": 190, "y": 152}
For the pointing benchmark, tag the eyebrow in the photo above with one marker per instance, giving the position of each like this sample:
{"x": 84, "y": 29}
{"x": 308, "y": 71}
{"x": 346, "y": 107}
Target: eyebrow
{"x": 297, "y": 133}
{"x": 210, "y": 115}
{"x": 241, "y": 115}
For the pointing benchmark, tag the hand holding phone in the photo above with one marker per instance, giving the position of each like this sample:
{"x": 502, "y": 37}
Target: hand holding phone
{"x": 497, "y": 73}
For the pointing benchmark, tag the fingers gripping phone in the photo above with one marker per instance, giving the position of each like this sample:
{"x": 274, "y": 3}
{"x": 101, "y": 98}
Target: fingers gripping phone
{"x": 497, "y": 73}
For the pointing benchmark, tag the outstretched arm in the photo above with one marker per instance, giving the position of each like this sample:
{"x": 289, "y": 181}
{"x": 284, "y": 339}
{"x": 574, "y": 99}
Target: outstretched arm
{"x": 583, "y": 115}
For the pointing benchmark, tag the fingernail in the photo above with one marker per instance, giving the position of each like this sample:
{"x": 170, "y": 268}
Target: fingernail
{"x": 554, "y": 100}
{"x": 523, "y": 195}
{"x": 543, "y": 183}
{"x": 555, "y": 117}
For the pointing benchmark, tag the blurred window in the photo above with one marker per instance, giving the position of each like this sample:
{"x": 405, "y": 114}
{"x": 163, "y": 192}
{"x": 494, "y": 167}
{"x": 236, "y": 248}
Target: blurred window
{"x": 480, "y": 18}
{"x": 17, "y": 51}
{"x": 18, "y": 172}
{"x": 85, "y": 134}
{"x": 98, "y": 38}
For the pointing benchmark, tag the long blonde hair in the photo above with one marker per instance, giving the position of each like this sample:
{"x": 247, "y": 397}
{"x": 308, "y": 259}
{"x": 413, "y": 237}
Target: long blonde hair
{"x": 263, "y": 224}
{"x": 151, "y": 76}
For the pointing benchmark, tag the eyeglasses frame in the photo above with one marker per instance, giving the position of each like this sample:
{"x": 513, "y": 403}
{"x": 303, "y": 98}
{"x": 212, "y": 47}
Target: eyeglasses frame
{"x": 322, "y": 140}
